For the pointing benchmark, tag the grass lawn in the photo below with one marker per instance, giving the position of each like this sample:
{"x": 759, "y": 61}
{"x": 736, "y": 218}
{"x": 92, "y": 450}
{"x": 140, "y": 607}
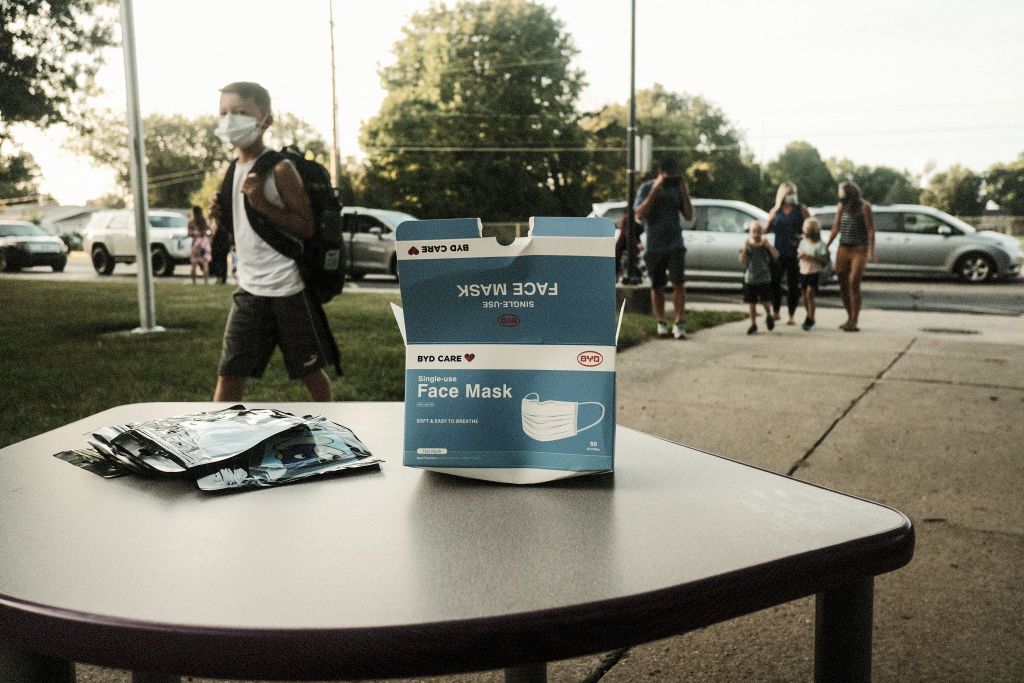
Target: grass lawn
{"x": 64, "y": 354}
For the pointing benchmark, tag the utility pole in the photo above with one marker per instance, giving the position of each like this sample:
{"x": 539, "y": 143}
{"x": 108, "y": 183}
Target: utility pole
{"x": 632, "y": 275}
{"x": 137, "y": 167}
{"x": 334, "y": 105}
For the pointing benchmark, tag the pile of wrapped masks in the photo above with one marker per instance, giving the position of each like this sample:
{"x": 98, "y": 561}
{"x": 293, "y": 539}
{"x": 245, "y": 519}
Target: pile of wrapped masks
{"x": 225, "y": 449}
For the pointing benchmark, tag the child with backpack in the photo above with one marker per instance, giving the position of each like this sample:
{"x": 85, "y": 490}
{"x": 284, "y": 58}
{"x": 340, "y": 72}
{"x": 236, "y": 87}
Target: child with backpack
{"x": 813, "y": 255}
{"x": 757, "y": 256}
{"x": 266, "y": 207}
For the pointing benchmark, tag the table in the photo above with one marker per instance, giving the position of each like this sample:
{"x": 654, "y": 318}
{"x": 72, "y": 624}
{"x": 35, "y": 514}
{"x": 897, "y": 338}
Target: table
{"x": 403, "y": 572}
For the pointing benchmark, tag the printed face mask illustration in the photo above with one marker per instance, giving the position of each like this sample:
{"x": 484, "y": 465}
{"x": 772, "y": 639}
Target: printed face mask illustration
{"x": 553, "y": 420}
{"x": 237, "y": 130}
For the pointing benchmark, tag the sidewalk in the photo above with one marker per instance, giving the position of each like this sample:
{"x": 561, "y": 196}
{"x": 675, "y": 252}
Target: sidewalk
{"x": 931, "y": 423}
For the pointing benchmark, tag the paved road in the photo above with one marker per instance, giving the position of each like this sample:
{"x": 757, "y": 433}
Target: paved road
{"x": 899, "y": 294}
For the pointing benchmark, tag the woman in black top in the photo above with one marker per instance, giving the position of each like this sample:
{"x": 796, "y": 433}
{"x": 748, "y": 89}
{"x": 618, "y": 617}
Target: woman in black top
{"x": 786, "y": 221}
{"x": 855, "y": 225}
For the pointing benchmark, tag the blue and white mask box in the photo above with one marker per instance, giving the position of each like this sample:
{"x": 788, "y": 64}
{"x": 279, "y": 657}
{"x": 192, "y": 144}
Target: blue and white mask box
{"x": 510, "y": 349}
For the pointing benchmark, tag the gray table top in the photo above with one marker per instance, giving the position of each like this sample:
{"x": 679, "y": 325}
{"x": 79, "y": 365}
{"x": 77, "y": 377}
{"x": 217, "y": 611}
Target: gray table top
{"x": 403, "y": 571}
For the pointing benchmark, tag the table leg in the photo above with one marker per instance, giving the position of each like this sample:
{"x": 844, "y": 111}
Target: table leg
{"x": 528, "y": 673}
{"x": 17, "y": 665}
{"x": 842, "y": 633}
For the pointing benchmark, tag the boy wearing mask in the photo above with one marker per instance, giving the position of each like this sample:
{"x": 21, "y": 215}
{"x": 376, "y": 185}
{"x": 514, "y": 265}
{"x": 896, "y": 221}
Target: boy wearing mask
{"x": 271, "y": 307}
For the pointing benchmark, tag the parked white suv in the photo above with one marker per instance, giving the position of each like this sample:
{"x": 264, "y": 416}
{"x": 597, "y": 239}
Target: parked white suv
{"x": 110, "y": 239}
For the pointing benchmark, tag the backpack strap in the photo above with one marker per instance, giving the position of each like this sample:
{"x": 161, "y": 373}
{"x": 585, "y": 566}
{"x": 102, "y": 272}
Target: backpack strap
{"x": 283, "y": 242}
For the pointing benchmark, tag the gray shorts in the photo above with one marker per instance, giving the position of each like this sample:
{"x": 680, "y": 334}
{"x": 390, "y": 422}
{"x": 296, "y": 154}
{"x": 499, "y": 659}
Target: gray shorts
{"x": 259, "y": 324}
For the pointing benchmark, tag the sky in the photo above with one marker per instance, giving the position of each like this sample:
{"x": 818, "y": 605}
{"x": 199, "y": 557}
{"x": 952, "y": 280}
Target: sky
{"x": 899, "y": 83}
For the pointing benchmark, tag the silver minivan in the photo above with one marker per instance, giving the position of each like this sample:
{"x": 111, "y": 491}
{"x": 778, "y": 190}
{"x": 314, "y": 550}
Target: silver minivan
{"x": 713, "y": 238}
{"x": 912, "y": 239}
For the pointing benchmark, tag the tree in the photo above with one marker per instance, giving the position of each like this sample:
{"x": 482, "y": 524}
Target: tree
{"x": 180, "y": 151}
{"x": 480, "y": 116}
{"x": 688, "y": 127}
{"x": 801, "y": 164}
{"x": 956, "y": 190}
{"x": 1005, "y": 186}
{"x": 878, "y": 184}
{"x": 49, "y": 53}
{"x": 19, "y": 178}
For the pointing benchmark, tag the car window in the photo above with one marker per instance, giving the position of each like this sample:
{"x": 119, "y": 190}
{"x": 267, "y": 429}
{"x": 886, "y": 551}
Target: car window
{"x": 724, "y": 219}
{"x": 921, "y": 224}
{"x": 120, "y": 220}
{"x": 614, "y": 215}
{"x": 20, "y": 230}
{"x": 887, "y": 221}
{"x": 176, "y": 221}
{"x": 372, "y": 222}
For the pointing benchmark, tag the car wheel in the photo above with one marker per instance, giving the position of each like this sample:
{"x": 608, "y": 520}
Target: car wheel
{"x": 59, "y": 267}
{"x": 163, "y": 264}
{"x": 102, "y": 261}
{"x": 975, "y": 267}
{"x": 355, "y": 277}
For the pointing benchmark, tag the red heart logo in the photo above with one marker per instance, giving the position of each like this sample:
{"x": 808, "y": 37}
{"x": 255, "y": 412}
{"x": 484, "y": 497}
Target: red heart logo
{"x": 470, "y": 357}
{"x": 413, "y": 251}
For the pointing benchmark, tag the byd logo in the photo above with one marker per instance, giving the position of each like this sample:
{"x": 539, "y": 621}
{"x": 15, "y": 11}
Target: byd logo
{"x": 590, "y": 359}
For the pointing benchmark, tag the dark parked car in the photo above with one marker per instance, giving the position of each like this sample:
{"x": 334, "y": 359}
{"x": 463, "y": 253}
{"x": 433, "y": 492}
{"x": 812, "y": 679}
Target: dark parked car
{"x": 23, "y": 245}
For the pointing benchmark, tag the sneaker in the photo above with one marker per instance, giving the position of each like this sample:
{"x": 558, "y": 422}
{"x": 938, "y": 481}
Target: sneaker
{"x": 662, "y": 328}
{"x": 770, "y": 322}
{"x": 752, "y": 329}
{"x": 678, "y": 332}
{"x": 808, "y": 324}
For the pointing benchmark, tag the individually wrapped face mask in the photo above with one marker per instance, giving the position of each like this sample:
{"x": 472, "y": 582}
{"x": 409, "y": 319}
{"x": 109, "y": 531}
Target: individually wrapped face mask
{"x": 554, "y": 420}
{"x": 238, "y": 130}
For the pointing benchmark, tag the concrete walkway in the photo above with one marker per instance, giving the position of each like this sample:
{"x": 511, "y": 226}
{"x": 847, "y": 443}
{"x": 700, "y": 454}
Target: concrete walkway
{"x": 923, "y": 412}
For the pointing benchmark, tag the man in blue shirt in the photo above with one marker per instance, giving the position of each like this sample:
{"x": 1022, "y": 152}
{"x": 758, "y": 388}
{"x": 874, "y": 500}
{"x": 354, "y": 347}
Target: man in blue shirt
{"x": 659, "y": 203}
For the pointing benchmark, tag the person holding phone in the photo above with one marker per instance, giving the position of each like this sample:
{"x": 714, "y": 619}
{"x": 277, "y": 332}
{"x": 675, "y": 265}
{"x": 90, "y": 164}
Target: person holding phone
{"x": 659, "y": 203}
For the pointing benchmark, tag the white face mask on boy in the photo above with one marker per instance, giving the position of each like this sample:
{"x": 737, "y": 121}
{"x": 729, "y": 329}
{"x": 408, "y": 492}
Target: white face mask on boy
{"x": 238, "y": 130}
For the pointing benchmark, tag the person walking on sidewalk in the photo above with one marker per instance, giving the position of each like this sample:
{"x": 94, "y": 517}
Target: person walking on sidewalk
{"x": 855, "y": 226}
{"x": 786, "y": 220}
{"x": 757, "y": 256}
{"x": 813, "y": 255}
{"x": 658, "y": 205}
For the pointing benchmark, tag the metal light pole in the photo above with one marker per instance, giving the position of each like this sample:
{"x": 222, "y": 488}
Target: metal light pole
{"x": 334, "y": 105}
{"x": 632, "y": 276}
{"x": 137, "y": 166}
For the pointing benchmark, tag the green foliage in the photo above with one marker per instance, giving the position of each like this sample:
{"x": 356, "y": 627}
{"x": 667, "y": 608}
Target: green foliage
{"x": 688, "y": 127}
{"x": 878, "y": 184}
{"x": 19, "y": 177}
{"x": 484, "y": 78}
{"x": 801, "y": 164}
{"x": 182, "y": 153}
{"x": 49, "y": 53}
{"x": 1005, "y": 186}
{"x": 956, "y": 190}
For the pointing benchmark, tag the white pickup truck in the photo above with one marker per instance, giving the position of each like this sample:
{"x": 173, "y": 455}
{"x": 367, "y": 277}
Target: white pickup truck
{"x": 109, "y": 239}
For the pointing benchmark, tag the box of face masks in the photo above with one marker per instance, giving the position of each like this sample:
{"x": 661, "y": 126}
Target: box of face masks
{"x": 510, "y": 349}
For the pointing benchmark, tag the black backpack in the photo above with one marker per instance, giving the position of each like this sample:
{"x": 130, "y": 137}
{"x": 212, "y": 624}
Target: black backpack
{"x": 321, "y": 258}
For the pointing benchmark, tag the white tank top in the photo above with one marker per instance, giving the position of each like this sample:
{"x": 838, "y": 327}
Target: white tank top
{"x": 262, "y": 270}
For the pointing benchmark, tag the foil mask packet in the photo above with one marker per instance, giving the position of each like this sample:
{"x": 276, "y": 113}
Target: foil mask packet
{"x": 510, "y": 349}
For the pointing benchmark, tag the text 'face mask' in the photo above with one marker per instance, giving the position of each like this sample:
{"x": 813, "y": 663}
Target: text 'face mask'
{"x": 238, "y": 130}
{"x": 553, "y": 420}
